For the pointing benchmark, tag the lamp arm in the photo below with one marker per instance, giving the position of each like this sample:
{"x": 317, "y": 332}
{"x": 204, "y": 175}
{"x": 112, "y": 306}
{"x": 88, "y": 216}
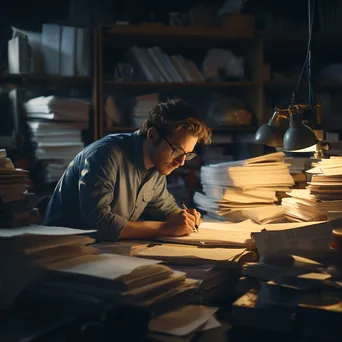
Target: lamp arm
{"x": 279, "y": 115}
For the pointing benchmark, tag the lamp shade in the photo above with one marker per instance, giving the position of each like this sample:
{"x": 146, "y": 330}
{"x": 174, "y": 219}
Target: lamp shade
{"x": 270, "y": 136}
{"x": 272, "y": 133}
{"x": 298, "y": 136}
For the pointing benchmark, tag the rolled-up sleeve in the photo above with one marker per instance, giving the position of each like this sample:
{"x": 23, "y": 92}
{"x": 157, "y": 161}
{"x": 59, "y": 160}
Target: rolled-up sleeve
{"x": 162, "y": 203}
{"x": 96, "y": 191}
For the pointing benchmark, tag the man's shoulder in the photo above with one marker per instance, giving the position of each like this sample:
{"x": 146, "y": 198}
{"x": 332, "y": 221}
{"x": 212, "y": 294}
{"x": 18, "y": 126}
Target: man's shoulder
{"x": 111, "y": 144}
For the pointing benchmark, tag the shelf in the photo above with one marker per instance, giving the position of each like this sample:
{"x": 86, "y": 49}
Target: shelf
{"x": 23, "y": 79}
{"x": 163, "y": 31}
{"x": 176, "y": 86}
{"x": 280, "y": 42}
{"x": 220, "y": 130}
{"x": 274, "y": 85}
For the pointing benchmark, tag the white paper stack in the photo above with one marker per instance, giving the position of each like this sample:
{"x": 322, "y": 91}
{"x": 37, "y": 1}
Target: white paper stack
{"x": 323, "y": 194}
{"x": 33, "y": 248}
{"x": 57, "y": 265}
{"x": 55, "y": 125}
{"x": 236, "y": 191}
{"x": 143, "y": 105}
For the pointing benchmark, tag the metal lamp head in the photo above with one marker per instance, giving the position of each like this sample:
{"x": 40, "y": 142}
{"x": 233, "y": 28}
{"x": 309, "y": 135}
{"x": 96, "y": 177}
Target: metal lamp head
{"x": 272, "y": 133}
{"x": 298, "y": 136}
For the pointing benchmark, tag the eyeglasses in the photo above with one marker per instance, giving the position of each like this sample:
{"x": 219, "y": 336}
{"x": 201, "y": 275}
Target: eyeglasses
{"x": 179, "y": 152}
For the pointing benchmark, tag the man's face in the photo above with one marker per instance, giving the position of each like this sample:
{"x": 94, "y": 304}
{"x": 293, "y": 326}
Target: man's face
{"x": 162, "y": 157}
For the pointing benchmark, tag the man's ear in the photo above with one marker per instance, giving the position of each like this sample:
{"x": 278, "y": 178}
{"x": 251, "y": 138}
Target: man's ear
{"x": 152, "y": 135}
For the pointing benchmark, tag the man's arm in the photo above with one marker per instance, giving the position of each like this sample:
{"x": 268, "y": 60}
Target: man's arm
{"x": 163, "y": 205}
{"x": 142, "y": 230}
{"x": 173, "y": 212}
{"x": 178, "y": 225}
{"x": 96, "y": 188}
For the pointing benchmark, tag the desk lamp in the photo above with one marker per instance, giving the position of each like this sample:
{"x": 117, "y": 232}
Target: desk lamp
{"x": 289, "y": 127}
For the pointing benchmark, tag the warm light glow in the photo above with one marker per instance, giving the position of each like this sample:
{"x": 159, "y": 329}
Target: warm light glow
{"x": 305, "y": 150}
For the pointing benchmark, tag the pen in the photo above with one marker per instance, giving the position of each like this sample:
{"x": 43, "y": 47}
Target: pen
{"x": 186, "y": 208}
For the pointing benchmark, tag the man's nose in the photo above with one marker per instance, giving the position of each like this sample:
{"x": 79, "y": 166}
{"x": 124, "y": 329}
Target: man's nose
{"x": 181, "y": 160}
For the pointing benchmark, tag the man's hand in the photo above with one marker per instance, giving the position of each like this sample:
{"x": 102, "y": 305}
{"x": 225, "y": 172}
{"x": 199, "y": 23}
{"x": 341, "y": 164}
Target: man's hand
{"x": 180, "y": 224}
{"x": 196, "y": 215}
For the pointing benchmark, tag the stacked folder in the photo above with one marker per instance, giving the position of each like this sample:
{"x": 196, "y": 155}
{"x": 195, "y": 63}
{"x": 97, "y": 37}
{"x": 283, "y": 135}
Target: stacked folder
{"x": 239, "y": 190}
{"x": 322, "y": 195}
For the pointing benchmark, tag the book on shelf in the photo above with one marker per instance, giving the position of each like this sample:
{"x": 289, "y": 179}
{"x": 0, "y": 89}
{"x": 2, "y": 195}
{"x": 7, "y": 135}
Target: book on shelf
{"x": 154, "y": 65}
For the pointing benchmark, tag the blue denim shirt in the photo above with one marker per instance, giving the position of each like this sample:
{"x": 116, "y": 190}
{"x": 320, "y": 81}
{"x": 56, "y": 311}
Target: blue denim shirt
{"x": 106, "y": 185}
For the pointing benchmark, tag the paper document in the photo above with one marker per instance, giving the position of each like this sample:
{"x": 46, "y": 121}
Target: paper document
{"x": 288, "y": 225}
{"x": 309, "y": 240}
{"x": 41, "y": 230}
{"x": 109, "y": 266}
{"x": 183, "y": 321}
{"x": 212, "y": 323}
{"x": 190, "y": 254}
{"x": 211, "y": 237}
{"x": 247, "y": 225}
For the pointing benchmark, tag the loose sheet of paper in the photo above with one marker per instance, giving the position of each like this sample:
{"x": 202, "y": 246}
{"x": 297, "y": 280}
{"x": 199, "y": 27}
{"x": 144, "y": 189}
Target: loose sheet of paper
{"x": 210, "y": 237}
{"x": 109, "y": 266}
{"x": 189, "y": 252}
{"x": 247, "y": 225}
{"x": 213, "y": 233}
{"x": 41, "y": 230}
{"x": 211, "y": 324}
{"x": 183, "y": 321}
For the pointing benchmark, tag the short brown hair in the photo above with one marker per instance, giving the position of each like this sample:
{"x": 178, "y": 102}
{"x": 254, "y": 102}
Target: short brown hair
{"x": 167, "y": 116}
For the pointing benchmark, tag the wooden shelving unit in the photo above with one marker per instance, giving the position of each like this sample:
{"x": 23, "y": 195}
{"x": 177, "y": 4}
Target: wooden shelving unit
{"x": 220, "y": 130}
{"x": 118, "y": 38}
{"x": 21, "y": 79}
{"x": 292, "y": 85}
{"x": 178, "y": 32}
{"x": 171, "y": 86}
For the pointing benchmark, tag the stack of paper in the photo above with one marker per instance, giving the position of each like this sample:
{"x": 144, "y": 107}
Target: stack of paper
{"x": 305, "y": 239}
{"x": 16, "y": 207}
{"x": 124, "y": 280}
{"x": 55, "y": 125}
{"x": 30, "y": 249}
{"x": 323, "y": 194}
{"x": 215, "y": 282}
{"x": 142, "y": 107}
{"x": 59, "y": 267}
{"x": 216, "y": 269}
{"x": 238, "y": 190}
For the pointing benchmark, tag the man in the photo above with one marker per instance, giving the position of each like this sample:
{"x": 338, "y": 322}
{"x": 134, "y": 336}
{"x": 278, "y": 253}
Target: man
{"x": 121, "y": 176}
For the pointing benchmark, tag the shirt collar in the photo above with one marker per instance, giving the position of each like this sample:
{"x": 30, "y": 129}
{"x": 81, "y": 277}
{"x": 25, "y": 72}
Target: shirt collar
{"x": 138, "y": 152}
